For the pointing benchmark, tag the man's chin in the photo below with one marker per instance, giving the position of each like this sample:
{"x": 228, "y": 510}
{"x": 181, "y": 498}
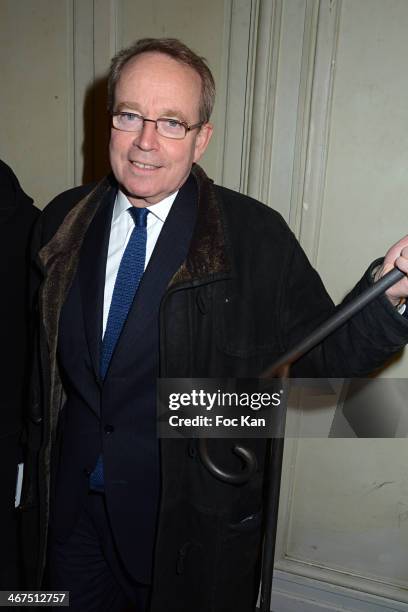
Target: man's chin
{"x": 145, "y": 197}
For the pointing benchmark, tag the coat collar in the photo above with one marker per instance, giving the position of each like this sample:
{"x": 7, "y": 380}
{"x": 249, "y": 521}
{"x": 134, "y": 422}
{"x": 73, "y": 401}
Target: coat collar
{"x": 59, "y": 260}
{"x": 63, "y": 248}
{"x": 208, "y": 256}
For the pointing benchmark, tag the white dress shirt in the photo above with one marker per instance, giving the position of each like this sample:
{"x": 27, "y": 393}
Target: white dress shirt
{"x": 121, "y": 228}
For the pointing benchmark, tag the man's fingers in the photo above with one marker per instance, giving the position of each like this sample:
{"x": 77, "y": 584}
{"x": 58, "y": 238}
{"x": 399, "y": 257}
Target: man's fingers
{"x": 397, "y": 256}
{"x": 396, "y": 250}
{"x": 402, "y": 262}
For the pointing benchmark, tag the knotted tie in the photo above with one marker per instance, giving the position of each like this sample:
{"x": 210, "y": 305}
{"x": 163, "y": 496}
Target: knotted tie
{"x": 130, "y": 272}
{"x": 127, "y": 281}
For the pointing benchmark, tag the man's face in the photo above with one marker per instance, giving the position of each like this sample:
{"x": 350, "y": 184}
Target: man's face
{"x": 147, "y": 166}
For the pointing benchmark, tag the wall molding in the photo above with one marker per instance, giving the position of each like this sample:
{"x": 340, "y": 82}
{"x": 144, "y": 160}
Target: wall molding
{"x": 307, "y": 206}
{"x": 280, "y": 102}
{"x": 71, "y": 142}
{"x": 83, "y": 75}
{"x": 369, "y": 586}
{"x": 302, "y": 136}
{"x": 221, "y": 177}
{"x": 295, "y": 592}
{"x": 285, "y": 141}
{"x": 306, "y": 187}
{"x": 235, "y": 92}
{"x": 258, "y": 152}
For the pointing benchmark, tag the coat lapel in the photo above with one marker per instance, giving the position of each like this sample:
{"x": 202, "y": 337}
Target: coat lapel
{"x": 92, "y": 267}
{"x": 58, "y": 260}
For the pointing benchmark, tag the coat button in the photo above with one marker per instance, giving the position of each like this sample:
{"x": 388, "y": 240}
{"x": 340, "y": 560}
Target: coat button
{"x": 108, "y": 429}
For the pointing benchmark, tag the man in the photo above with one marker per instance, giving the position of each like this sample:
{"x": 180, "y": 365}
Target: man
{"x": 17, "y": 216}
{"x": 209, "y": 284}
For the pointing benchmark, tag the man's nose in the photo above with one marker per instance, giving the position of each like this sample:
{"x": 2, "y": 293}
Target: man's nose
{"x": 147, "y": 138}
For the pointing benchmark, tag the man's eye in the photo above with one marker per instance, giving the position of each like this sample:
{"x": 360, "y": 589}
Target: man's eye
{"x": 172, "y": 123}
{"x": 129, "y": 116}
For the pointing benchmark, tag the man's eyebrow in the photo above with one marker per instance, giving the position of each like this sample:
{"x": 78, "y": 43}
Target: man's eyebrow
{"x": 169, "y": 112}
{"x": 127, "y": 105}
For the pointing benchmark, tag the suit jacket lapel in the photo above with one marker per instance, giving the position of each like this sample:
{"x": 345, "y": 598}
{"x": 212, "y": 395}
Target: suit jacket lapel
{"x": 170, "y": 252}
{"x": 92, "y": 269}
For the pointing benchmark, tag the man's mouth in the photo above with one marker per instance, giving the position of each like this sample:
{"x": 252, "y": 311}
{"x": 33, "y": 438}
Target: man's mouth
{"x": 144, "y": 166}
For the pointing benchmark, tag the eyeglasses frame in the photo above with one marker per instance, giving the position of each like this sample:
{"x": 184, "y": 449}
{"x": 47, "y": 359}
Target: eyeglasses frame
{"x": 186, "y": 126}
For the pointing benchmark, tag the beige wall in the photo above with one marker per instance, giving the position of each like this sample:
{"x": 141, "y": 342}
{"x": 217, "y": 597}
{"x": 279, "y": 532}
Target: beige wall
{"x": 367, "y": 179}
{"x": 36, "y": 94}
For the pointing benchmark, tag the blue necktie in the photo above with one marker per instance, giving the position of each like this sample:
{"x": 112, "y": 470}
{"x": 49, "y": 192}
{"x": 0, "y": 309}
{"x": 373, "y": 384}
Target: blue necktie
{"x": 127, "y": 281}
{"x": 130, "y": 272}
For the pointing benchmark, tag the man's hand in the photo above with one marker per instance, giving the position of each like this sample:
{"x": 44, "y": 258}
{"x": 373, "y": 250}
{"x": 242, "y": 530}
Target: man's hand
{"x": 396, "y": 257}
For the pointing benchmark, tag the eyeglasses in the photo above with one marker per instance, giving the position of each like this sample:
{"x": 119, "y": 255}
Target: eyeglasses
{"x": 169, "y": 128}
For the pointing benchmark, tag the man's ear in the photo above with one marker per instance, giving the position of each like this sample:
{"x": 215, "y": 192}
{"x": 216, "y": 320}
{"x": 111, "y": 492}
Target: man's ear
{"x": 202, "y": 140}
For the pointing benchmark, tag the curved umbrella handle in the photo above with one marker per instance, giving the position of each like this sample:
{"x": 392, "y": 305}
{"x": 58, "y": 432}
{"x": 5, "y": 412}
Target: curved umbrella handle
{"x": 237, "y": 478}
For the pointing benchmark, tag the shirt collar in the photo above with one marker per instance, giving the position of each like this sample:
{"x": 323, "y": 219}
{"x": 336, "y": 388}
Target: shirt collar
{"x": 159, "y": 210}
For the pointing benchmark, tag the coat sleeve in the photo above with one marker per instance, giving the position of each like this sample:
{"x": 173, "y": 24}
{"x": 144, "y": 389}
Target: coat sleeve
{"x": 358, "y": 347}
